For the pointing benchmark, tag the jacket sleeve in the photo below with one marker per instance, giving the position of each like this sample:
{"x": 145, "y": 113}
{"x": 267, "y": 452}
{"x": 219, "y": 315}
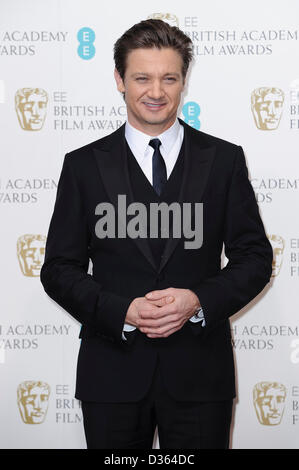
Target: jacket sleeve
{"x": 247, "y": 249}
{"x": 64, "y": 274}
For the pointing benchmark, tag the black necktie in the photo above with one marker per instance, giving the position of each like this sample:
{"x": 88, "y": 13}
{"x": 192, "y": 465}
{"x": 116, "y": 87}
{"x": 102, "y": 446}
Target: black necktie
{"x": 159, "y": 167}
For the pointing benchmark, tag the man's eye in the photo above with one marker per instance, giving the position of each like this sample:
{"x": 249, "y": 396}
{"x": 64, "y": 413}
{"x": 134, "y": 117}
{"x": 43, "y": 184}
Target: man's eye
{"x": 170, "y": 79}
{"x": 141, "y": 79}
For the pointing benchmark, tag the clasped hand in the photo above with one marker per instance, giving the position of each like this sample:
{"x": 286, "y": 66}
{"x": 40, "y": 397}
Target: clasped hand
{"x": 162, "y": 312}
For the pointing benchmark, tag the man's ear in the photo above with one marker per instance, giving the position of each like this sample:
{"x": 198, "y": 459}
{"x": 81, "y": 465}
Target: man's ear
{"x": 119, "y": 81}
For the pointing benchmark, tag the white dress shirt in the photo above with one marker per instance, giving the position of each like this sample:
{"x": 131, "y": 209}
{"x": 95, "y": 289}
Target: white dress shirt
{"x": 171, "y": 142}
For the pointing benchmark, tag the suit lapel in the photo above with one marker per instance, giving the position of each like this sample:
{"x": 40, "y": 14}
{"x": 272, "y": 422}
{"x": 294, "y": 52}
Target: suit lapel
{"x": 112, "y": 164}
{"x": 197, "y": 165}
{"x": 113, "y": 167}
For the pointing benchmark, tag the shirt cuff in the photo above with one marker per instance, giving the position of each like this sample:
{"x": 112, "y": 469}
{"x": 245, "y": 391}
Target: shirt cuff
{"x": 127, "y": 327}
{"x": 198, "y": 317}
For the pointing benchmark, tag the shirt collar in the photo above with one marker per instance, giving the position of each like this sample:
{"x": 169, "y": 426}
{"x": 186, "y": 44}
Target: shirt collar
{"x": 138, "y": 141}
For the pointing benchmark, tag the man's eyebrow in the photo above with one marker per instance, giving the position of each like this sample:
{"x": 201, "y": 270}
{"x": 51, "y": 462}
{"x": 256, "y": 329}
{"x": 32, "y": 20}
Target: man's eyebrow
{"x": 175, "y": 74}
{"x": 138, "y": 73}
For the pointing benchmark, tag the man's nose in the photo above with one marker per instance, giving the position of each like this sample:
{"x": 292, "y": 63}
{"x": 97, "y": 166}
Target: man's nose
{"x": 156, "y": 90}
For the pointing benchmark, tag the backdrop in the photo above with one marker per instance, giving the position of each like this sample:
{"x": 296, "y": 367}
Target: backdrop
{"x": 57, "y": 93}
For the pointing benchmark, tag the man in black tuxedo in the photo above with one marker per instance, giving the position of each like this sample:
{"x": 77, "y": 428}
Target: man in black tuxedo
{"x": 156, "y": 342}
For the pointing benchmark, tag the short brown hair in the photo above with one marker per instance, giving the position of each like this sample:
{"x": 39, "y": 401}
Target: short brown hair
{"x": 149, "y": 34}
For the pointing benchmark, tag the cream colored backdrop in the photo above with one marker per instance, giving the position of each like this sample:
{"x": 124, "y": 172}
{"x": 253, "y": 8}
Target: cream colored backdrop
{"x": 57, "y": 55}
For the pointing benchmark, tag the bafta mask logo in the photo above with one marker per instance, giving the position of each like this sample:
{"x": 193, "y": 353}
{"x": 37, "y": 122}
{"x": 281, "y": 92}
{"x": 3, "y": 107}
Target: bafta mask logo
{"x": 278, "y": 245}
{"x": 167, "y": 17}
{"x": 269, "y": 402}
{"x": 31, "y": 253}
{"x": 31, "y": 108}
{"x": 33, "y": 401}
{"x": 266, "y": 106}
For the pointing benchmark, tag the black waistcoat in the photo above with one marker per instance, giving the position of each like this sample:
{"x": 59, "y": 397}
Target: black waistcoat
{"x": 144, "y": 192}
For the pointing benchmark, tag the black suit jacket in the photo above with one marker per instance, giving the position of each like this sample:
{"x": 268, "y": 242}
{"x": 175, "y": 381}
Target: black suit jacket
{"x": 197, "y": 363}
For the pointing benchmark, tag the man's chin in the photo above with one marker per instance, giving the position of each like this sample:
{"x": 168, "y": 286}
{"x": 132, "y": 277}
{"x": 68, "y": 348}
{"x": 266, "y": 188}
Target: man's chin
{"x": 145, "y": 121}
{"x": 156, "y": 120}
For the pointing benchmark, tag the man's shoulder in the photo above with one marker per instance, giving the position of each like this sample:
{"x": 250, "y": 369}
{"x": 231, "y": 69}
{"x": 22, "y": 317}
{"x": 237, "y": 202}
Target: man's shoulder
{"x": 219, "y": 142}
{"x": 222, "y": 153}
{"x": 103, "y": 143}
{"x": 204, "y": 139}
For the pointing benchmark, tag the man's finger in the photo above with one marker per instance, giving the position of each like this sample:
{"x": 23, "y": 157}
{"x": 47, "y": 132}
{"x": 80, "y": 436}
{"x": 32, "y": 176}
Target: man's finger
{"x": 158, "y": 312}
{"x": 161, "y": 329}
{"x": 161, "y": 301}
{"x": 146, "y": 323}
{"x": 158, "y": 294}
{"x": 164, "y": 335}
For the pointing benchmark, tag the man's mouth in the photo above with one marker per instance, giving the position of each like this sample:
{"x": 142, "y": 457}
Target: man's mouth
{"x": 154, "y": 106}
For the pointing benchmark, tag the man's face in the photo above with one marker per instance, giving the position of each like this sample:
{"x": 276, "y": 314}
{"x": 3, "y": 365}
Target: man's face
{"x": 269, "y": 111}
{"x": 153, "y": 84}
